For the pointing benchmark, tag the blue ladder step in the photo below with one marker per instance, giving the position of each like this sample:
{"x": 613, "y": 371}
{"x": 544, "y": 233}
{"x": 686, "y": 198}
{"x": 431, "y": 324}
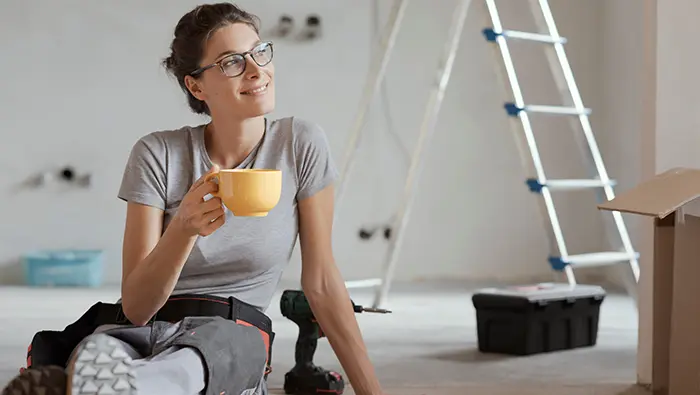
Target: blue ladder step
{"x": 492, "y": 35}
{"x": 592, "y": 259}
{"x": 513, "y": 110}
{"x": 567, "y": 185}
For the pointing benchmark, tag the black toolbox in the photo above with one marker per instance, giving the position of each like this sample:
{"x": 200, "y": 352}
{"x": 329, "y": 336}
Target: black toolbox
{"x": 531, "y": 319}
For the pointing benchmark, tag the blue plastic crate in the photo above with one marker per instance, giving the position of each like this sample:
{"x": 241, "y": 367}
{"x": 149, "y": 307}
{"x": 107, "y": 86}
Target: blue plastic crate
{"x": 76, "y": 268}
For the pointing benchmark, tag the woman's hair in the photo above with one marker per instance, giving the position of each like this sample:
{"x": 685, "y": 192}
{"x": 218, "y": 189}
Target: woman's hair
{"x": 191, "y": 35}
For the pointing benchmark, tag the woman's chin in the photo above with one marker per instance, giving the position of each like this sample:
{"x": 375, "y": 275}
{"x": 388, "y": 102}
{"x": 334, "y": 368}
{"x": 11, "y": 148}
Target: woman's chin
{"x": 261, "y": 108}
{"x": 249, "y": 108}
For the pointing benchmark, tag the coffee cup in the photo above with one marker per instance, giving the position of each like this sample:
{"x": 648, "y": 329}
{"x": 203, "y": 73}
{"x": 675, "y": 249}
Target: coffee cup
{"x": 248, "y": 192}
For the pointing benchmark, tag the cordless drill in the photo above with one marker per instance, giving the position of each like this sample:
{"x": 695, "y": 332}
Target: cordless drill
{"x": 306, "y": 378}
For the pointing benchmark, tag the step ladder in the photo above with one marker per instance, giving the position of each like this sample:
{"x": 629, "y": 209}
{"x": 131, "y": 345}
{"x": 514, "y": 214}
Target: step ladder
{"x": 560, "y": 259}
{"x": 518, "y": 110}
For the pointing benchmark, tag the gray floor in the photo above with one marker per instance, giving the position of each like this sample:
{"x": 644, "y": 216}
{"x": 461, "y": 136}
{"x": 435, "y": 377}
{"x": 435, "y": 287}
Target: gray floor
{"x": 427, "y": 346}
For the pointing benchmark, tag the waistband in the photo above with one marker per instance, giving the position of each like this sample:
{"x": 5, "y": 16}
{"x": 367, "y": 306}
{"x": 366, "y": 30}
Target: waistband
{"x": 180, "y": 306}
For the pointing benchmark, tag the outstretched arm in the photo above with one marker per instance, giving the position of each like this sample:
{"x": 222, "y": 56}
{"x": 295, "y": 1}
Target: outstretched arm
{"x": 326, "y": 292}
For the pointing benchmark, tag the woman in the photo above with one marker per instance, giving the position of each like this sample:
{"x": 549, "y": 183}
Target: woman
{"x": 178, "y": 244}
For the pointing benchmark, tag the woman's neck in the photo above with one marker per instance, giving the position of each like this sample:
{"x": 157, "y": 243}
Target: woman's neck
{"x": 230, "y": 141}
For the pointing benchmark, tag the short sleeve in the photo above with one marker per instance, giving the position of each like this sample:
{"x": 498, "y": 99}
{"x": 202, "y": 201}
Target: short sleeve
{"x": 144, "y": 177}
{"x": 315, "y": 166}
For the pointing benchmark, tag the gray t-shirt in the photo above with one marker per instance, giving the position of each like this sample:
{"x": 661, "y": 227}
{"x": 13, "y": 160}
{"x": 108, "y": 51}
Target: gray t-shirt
{"x": 244, "y": 258}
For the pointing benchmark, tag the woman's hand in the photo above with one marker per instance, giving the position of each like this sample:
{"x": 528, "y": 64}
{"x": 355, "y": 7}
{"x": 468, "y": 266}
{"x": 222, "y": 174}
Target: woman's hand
{"x": 197, "y": 216}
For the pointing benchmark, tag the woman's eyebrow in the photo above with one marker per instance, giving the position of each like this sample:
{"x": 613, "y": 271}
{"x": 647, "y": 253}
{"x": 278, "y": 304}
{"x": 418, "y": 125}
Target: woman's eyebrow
{"x": 226, "y": 53}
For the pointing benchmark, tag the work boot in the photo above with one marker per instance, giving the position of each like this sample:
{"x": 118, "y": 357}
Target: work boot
{"x": 46, "y": 380}
{"x": 100, "y": 365}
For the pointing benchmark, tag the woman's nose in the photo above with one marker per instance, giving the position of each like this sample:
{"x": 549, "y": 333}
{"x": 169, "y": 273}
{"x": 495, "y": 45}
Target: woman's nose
{"x": 253, "y": 71}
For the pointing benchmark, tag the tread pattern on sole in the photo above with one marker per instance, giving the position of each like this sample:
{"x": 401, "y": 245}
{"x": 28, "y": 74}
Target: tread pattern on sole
{"x": 100, "y": 366}
{"x": 45, "y": 380}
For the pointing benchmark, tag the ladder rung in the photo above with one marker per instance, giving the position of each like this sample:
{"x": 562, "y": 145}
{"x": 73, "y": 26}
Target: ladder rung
{"x": 592, "y": 259}
{"x": 366, "y": 283}
{"x": 567, "y": 185}
{"x": 514, "y": 110}
{"x": 492, "y": 35}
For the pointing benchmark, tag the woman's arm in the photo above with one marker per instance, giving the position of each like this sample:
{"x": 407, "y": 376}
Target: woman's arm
{"x": 326, "y": 292}
{"x": 152, "y": 263}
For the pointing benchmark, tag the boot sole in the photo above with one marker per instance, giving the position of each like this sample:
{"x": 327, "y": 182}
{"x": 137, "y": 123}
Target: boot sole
{"x": 99, "y": 365}
{"x": 47, "y": 380}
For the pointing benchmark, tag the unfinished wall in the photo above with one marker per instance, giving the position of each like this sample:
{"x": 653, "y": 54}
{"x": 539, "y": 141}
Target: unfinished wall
{"x": 650, "y": 76}
{"x": 626, "y": 78}
{"x": 83, "y": 82}
{"x": 674, "y": 139}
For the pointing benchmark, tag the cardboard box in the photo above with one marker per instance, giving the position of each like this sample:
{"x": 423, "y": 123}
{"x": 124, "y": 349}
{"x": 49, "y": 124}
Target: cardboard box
{"x": 671, "y": 198}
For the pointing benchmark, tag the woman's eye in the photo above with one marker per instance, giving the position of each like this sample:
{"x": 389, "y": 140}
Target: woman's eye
{"x": 230, "y": 63}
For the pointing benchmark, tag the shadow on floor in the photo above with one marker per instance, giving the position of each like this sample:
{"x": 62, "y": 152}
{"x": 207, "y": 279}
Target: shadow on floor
{"x": 467, "y": 356}
{"x": 472, "y": 354}
{"x": 636, "y": 390}
{"x": 509, "y": 390}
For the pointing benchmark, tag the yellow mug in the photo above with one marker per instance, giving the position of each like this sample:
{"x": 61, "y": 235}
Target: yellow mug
{"x": 249, "y": 192}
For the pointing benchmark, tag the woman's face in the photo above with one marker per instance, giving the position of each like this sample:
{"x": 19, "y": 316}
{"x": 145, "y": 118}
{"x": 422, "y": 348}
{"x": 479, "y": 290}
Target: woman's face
{"x": 250, "y": 94}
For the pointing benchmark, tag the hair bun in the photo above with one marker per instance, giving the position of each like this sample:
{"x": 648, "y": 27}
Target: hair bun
{"x": 170, "y": 62}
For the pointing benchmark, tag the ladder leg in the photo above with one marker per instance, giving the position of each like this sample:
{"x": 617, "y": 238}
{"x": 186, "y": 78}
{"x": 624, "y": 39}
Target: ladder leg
{"x": 525, "y": 137}
{"x": 564, "y": 78}
{"x": 374, "y": 80}
{"x": 566, "y": 84}
{"x": 629, "y": 279}
{"x": 427, "y": 130}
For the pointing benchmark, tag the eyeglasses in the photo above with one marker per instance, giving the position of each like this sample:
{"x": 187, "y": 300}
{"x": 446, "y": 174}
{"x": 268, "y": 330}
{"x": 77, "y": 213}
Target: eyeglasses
{"x": 235, "y": 64}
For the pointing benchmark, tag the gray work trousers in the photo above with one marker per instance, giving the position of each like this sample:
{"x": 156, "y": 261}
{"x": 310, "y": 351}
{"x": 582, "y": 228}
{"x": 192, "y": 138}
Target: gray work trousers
{"x": 198, "y": 355}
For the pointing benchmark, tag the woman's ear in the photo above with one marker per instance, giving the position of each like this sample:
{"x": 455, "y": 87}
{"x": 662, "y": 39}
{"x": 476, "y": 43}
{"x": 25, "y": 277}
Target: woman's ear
{"x": 194, "y": 87}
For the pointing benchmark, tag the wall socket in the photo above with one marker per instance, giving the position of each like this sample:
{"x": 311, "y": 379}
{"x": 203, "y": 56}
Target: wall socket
{"x": 309, "y": 31}
{"x": 368, "y": 233}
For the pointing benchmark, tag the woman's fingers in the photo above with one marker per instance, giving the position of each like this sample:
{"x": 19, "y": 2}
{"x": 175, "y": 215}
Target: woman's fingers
{"x": 211, "y": 205}
{"x": 204, "y": 189}
{"x": 212, "y": 226}
{"x": 212, "y": 215}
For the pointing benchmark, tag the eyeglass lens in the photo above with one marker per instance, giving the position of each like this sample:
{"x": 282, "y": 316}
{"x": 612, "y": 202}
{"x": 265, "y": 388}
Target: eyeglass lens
{"x": 234, "y": 65}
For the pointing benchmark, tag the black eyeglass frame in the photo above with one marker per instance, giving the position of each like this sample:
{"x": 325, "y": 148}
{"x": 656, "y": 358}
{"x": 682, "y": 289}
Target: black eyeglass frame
{"x": 242, "y": 55}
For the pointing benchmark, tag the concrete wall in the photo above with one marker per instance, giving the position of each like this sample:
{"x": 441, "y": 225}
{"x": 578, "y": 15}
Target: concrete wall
{"x": 650, "y": 74}
{"x": 670, "y": 135}
{"x": 625, "y": 113}
{"x": 83, "y": 82}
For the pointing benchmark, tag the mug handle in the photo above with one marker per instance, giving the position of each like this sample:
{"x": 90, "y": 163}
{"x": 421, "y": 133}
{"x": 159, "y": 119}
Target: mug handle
{"x": 209, "y": 178}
